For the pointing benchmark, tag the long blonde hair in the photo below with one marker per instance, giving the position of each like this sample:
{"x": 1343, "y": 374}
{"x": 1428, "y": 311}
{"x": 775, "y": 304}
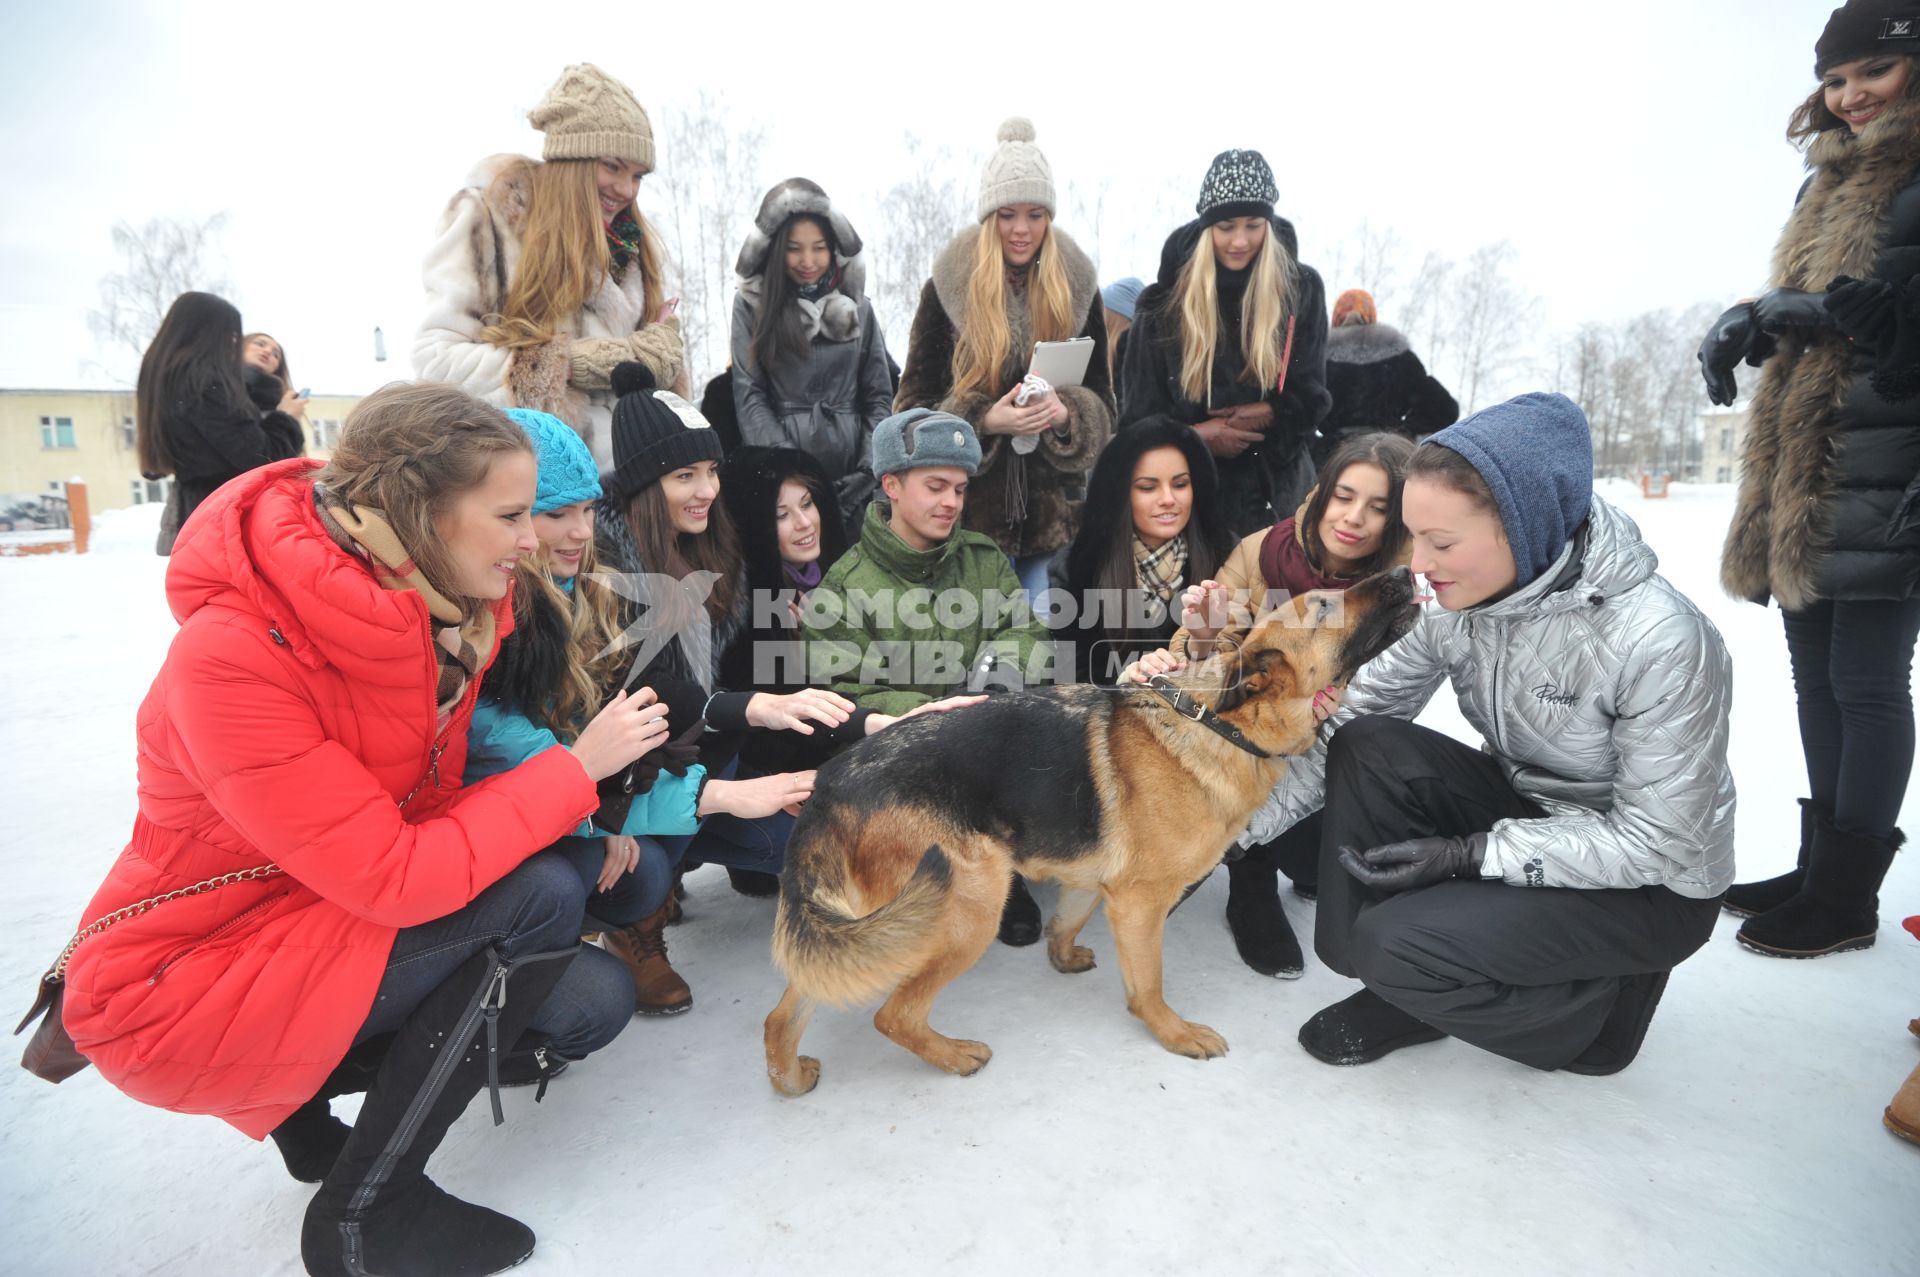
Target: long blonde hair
{"x": 563, "y": 253}
{"x": 980, "y": 353}
{"x": 1263, "y": 315}
{"x": 593, "y": 615}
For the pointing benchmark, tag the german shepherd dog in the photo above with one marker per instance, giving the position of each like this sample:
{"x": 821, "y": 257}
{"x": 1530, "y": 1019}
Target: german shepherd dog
{"x": 901, "y": 862}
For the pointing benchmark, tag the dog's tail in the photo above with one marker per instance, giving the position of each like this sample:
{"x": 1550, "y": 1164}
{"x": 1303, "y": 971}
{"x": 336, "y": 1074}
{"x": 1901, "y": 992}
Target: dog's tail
{"x": 832, "y": 956}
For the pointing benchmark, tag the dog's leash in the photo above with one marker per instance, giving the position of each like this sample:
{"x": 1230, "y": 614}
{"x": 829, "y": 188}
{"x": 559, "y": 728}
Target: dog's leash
{"x": 1187, "y": 707}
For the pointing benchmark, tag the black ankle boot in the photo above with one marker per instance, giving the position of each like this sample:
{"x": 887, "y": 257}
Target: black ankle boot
{"x": 1020, "y": 920}
{"x": 311, "y": 1138}
{"x": 377, "y": 1212}
{"x": 1361, "y": 1029}
{"x": 1838, "y": 908}
{"x": 1745, "y": 899}
{"x": 751, "y": 882}
{"x": 1261, "y": 932}
{"x": 1625, "y": 1028}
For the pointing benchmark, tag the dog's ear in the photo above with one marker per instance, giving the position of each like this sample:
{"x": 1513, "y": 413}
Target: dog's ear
{"x": 1254, "y": 669}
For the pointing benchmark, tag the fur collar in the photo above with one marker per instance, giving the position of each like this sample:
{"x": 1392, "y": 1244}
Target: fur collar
{"x": 1835, "y": 227}
{"x": 504, "y": 183}
{"x": 1365, "y": 344}
{"x": 955, "y": 263}
{"x": 835, "y": 316}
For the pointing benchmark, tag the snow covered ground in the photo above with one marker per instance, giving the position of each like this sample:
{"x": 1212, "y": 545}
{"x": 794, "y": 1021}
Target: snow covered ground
{"x": 1747, "y": 1138}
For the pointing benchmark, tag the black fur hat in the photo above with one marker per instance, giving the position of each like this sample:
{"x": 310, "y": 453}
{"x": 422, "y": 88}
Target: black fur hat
{"x": 749, "y": 488}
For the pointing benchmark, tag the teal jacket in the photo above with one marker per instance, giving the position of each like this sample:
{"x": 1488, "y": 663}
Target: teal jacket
{"x": 891, "y": 628}
{"x": 501, "y": 739}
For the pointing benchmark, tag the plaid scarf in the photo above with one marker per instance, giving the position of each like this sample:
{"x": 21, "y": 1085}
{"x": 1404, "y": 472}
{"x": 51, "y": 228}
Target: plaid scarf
{"x": 1161, "y": 572}
{"x": 623, "y": 243}
{"x": 460, "y": 644}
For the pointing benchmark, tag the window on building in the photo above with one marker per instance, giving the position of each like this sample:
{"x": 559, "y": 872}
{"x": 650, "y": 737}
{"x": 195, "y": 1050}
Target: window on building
{"x": 56, "y": 432}
{"x": 1726, "y": 438}
{"x": 1723, "y": 474}
{"x": 326, "y": 432}
{"x": 126, "y": 431}
{"x": 157, "y": 489}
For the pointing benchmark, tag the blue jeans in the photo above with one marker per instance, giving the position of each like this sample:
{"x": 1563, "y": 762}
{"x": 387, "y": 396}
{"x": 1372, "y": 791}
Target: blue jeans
{"x": 634, "y": 896}
{"x": 535, "y": 909}
{"x": 1032, "y": 571}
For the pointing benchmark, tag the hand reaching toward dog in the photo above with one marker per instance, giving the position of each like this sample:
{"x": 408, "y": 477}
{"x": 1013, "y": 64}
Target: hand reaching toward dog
{"x": 1154, "y": 663}
{"x": 792, "y": 711}
{"x": 1326, "y": 702}
{"x": 761, "y": 796}
{"x": 1417, "y": 862}
{"x": 877, "y": 721}
{"x": 630, "y": 725}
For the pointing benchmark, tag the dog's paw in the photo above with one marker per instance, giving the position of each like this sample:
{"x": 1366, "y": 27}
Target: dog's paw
{"x": 1195, "y": 1041}
{"x": 800, "y": 1081}
{"x": 961, "y": 1057}
{"x": 1073, "y": 961}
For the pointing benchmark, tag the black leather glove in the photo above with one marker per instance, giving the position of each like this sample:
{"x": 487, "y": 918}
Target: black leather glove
{"x": 1417, "y": 862}
{"x": 1863, "y": 310}
{"x": 1728, "y": 342}
{"x": 1792, "y": 309}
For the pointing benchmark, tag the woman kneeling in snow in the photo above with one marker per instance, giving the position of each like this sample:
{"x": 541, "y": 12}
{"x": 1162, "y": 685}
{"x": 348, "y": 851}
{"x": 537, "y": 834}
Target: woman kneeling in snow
{"x": 1531, "y": 897}
{"x": 342, "y": 914}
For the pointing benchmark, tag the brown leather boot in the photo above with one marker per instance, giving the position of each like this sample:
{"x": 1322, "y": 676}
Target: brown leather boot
{"x": 657, "y": 987}
{"x": 1903, "y": 1115}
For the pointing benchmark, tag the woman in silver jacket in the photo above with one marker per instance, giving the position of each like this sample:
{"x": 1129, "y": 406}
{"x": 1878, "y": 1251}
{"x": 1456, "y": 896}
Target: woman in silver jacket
{"x": 810, "y": 368}
{"x": 1531, "y": 897}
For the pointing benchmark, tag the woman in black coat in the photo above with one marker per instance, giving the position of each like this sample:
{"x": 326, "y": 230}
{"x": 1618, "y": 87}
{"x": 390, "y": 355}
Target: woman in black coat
{"x": 1232, "y": 340}
{"x": 194, "y": 417}
{"x": 1376, "y": 380}
{"x": 1152, "y": 525}
{"x": 1830, "y": 480}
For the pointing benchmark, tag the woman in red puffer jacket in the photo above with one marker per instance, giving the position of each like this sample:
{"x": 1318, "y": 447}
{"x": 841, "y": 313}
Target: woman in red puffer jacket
{"x": 312, "y": 715}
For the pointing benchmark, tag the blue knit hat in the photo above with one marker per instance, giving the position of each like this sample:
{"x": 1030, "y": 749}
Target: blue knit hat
{"x": 567, "y": 472}
{"x": 1536, "y": 454}
{"x": 921, "y": 437}
{"x": 1121, "y": 295}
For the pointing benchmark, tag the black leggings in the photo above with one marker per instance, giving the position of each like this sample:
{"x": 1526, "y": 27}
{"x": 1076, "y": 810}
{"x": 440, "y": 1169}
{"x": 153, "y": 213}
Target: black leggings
{"x": 1852, "y": 663}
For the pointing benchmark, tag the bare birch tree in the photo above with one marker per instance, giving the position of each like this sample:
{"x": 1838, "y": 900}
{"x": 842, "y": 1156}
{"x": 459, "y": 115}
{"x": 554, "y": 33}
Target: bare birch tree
{"x": 164, "y": 258}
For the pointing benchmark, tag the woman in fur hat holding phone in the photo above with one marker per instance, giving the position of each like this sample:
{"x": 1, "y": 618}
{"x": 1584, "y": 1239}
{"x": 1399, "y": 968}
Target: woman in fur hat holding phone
{"x": 997, "y": 289}
{"x": 1828, "y": 520}
{"x": 809, "y": 360}
{"x": 546, "y": 274}
{"x": 1232, "y": 340}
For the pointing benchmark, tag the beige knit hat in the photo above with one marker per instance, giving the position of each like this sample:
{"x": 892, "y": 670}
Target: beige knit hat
{"x": 588, "y": 114}
{"x": 1018, "y": 173}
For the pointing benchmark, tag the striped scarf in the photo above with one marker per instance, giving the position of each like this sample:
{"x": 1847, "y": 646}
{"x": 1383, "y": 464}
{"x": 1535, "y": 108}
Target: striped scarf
{"x": 461, "y": 644}
{"x": 1161, "y": 572}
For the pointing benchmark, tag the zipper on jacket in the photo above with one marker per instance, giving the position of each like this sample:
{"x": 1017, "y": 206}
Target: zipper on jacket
{"x": 211, "y": 936}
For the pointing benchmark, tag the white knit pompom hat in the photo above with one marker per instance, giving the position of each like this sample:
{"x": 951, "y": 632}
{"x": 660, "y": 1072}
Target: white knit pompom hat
{"x": 1018, "y": 173}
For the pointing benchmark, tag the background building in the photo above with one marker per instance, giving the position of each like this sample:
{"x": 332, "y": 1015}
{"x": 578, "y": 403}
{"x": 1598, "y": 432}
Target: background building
{"x": 1721, "y": 432}
{"x": 50, "y": 436}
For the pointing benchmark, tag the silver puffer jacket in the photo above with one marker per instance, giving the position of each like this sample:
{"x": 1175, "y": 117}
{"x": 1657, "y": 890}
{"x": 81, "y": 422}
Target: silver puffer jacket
{"x": 1603, "y": 692}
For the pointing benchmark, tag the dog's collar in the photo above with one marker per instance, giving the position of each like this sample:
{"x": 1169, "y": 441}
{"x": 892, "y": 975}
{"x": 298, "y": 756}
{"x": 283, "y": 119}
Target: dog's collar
{"x": 1185, "y": 706}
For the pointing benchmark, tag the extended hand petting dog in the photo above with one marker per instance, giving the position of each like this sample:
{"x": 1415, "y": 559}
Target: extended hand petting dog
{"x": 899, "y": 866}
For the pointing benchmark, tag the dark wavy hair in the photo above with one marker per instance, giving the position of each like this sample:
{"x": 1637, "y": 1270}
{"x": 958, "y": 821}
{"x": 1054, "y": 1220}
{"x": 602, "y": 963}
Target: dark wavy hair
{"x": 1101, "y": 556}
{"x": 1811, "y": 118}
{"x": 195, "y": 356}
{"x": 1393, "y": 454}
{"x": 779, "y": 333}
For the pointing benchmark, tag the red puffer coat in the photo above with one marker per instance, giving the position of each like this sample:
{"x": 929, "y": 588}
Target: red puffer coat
{"x": 294, "y": 713}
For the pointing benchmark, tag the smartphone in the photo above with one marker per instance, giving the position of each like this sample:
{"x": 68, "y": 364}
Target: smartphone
{"x": 305, "y": 393}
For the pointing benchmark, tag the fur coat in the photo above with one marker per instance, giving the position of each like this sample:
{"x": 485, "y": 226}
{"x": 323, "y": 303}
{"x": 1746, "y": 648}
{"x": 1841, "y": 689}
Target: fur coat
{"x": 1028, "y": 504}
{"x": 1378, "y": 383}
{"x": 467, "y": 272}
{"x": 1830, "y": 470}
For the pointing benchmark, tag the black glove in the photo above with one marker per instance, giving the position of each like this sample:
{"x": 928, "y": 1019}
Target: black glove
{"x": 1788, "y": 309}
{"x": 617, "y": 791}
{"x": 1417, "y": 862}
{"x": 1898, "y": 376}
{"x": 1727, "y": 342}
{"x": 1863, "y": 310}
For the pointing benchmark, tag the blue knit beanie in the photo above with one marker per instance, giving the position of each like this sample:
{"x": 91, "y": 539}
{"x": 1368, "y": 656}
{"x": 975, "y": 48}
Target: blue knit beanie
{"x": 1121, "y": 295}
{"x": 567, "y": 472}
{"x": 1536, "y": 454}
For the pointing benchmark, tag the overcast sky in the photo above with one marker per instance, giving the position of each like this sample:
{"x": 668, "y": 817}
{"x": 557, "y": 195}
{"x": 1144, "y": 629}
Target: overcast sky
{"x": 1632, "y": 151}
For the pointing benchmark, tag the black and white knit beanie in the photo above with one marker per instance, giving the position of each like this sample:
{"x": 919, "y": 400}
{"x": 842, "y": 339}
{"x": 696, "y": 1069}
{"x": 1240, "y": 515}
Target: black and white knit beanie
{"x": 1238, "y": 184}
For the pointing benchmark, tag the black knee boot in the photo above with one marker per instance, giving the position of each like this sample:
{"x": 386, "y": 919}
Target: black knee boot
{"x": 1838, "y": 908}
{"x": 377, "y": 1212}
{"x": 1020, "y": 919}
{"x": 1745, "y": 899}
{"x": 311, "y": 1138}
{"x": 1261, "y": 932}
